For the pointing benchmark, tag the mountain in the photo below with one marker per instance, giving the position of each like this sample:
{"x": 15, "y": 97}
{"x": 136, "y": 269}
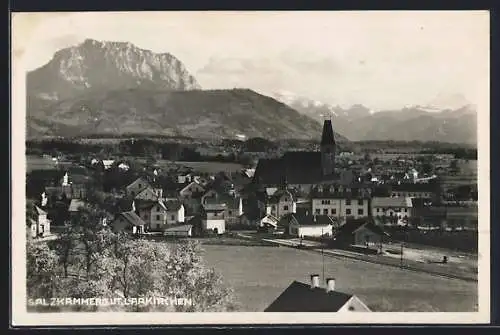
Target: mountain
{"x": 194, "y": 113}
{"x": 113, "y": 88}
{"x": 94, "y": 66}
{"x": 421, "y": 123}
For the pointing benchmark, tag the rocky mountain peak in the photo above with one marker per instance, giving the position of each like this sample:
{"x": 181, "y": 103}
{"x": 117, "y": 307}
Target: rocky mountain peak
{"x": 109, "y": 65}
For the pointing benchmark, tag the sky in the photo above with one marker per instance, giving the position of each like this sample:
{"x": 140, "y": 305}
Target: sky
{"x": 384, "y": 60}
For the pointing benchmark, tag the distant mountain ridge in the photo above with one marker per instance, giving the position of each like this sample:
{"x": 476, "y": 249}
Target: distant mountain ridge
{"x": 421, "y": 123}
{"x": 195, "y": 113}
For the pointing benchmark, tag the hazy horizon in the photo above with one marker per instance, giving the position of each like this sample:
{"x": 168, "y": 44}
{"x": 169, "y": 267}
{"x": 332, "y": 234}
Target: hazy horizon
{"x": 383, "y": 60}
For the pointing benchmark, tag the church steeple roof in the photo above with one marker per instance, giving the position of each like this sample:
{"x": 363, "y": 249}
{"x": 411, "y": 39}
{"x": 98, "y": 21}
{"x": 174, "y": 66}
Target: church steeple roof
{"x": 327, "y": 137}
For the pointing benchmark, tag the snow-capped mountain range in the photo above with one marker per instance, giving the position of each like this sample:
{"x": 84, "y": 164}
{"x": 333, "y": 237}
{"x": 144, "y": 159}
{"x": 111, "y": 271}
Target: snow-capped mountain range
{"x": 445, "y": 119}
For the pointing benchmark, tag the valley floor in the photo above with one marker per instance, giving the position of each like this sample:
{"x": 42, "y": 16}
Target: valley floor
{"x": 259, "y": 274}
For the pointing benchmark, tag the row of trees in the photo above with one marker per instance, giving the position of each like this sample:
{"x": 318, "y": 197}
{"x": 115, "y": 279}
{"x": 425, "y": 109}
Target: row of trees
{"x": 89, "y": 260}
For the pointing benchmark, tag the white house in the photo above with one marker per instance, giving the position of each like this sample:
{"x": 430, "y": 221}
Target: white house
{"x": 268, "y": 221}
{"x": 340, "y": 201}
{"x": 184, "y": 178}
{"x": 108, "y": 163}
{"x": 281, "y": 203}
{"x": 213, "y": 218}
{"x": 41, "y": 226}
{"x": 310, "y": 225}
{"x": 123, "y": 166}
{"x": 398, "y": 207}
{"x": 161, "y": 214}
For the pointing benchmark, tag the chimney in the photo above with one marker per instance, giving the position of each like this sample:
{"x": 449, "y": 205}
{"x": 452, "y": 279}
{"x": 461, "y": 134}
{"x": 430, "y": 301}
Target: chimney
{"x": 330, "y": 284}
{"x": 314, "y": 281}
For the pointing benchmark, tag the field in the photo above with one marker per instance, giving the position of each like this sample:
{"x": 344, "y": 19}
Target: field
{"x": 206, "y": 167}
{"x": 39, "y": 163}
{"x": 259, "y": 275}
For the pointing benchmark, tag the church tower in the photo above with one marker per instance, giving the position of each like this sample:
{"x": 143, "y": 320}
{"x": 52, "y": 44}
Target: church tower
{"x": 328, "y": 147}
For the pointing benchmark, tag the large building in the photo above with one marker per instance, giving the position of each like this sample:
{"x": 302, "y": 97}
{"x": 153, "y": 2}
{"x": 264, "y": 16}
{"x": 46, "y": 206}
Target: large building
{"x": 302, "y": 169}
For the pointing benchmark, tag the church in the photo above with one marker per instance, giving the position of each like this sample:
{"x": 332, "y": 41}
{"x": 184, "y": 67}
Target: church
{"x": 303, "y": 169}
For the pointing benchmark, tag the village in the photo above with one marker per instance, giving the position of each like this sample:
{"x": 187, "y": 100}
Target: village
{"x": 400, "y": 209}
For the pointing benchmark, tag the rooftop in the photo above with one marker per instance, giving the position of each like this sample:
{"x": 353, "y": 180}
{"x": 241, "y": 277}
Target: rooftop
{"x": 300, "y": 297}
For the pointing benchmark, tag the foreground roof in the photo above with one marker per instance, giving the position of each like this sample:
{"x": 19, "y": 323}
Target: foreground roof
{"x": 300, "y": 297}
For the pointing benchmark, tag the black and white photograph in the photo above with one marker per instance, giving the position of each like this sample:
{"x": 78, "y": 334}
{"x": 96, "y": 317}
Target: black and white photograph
{"x": 238, "y": 166}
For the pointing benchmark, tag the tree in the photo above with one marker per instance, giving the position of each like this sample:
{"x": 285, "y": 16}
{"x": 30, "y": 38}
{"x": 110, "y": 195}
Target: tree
{"x": 41, "y": 270}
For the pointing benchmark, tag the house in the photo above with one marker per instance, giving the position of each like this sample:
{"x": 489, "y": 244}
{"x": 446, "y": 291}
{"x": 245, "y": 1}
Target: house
{"x": 281, "y": 203}
{"x": 179, "y": 231}
{"x": 147, "y": 193}
{"x": 108, "y": 163}
{"x": 191, "y": 190}
{"x": 310, "y": 225}
{"x": 184, "y": 178}
{"x": 360, "y": 232}
{"x": 160, "y": 214}
{"x": 123, "y": 166}
{"x": 399, "y": 209}
{"x": 41, "y": 226}
{"x": 268, "y": 222}
{"x": 234, "y": 205}
{"x": 175, "y": 212}
{"x": 137, "y": 186}
{"x": 129, "y": 222}
{"x": 340, "y": 201}
{"x": 75, "y": 205}
{"x": 213, "y": 219}
{"x": 301, "y": 297}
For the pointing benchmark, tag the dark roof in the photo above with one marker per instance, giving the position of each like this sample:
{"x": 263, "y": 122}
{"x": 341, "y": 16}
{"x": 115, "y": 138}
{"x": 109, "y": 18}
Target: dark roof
{"x": 352, "y": 225}
{"x": 300, "y": 297}
{"x": 340, "y": 192}
{"x": 172, "y": 205}
{"x": 295, "y": 167}
{"x": 327, "y": 137}
{"x": 132, "y": 218}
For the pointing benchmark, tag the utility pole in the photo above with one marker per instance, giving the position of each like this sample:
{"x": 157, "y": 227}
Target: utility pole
{"x": 322, "y": 254}
{"x": 402, "y": 243}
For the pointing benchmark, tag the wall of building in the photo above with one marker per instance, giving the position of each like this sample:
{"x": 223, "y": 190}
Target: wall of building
{"x": 211, "y": 224}
{"x": 339, "y": 207}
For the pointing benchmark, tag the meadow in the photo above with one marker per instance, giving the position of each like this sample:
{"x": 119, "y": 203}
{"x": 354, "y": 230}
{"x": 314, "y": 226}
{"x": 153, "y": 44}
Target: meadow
{"x": 259, "y": 275}
{"x": 39, "y": 163}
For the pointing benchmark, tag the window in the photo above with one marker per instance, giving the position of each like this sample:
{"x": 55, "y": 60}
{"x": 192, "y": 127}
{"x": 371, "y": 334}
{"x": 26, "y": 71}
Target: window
{"x": 157, "y": 217}
{"x": 360, "y": 211}
{"x": 348, "y": 202}
{"x": 318, "y": 211}
{"x": 285, "y": 208}
{"x": 230, "y": 212}
{"x": 334, "y": 211}
{"x": 360, "y": 202}
{"x": 348, "y": 211}
{"x": 378, "y": 210}
{"x": 173, "y": 217}
{"x": 286, "y": 199}
{"x": 140, "y": 185}
{"x": 325, "y": 211}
